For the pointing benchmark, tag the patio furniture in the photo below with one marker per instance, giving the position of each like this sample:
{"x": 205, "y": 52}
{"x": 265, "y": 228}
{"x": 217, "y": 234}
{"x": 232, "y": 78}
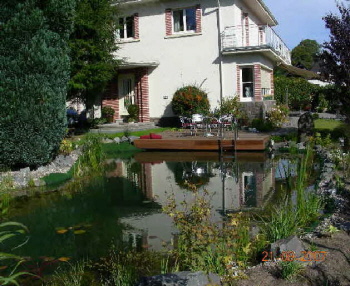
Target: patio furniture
{"x": 186, "y": 123}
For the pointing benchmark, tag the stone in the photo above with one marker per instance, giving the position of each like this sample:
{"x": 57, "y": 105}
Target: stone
{"x": 124, "y": 139}
{"x": 39, "y": 182}
{"x": 25, "y": 170}
{"x": 301, "y": 146}
{"x": 116, "y": 140}
{"x": 133, "y": 138}
{"x": 305, "y": 127}
{"x": 291, "y": 243}
{"x": 184, "y": 278}
{"x": 107, "y": 140}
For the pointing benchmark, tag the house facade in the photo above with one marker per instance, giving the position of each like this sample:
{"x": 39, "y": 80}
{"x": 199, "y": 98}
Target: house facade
{"x": 226, "y": 47}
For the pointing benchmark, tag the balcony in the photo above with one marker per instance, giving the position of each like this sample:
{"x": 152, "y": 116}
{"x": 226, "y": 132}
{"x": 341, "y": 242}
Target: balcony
{"x": 255, "y": 38}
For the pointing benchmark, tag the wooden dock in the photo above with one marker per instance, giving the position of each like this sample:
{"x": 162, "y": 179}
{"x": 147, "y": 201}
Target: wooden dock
{"x": 182, "y": 141}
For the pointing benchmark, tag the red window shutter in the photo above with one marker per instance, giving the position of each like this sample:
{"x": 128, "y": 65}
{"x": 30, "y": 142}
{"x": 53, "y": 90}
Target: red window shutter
{"x": 198, "y": 19}
{"x": 136, "y": 26}
{"x": 168, "y": 22}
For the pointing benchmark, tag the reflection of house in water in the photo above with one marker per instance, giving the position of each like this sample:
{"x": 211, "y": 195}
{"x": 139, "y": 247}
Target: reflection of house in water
{"x": 233, "y": 186}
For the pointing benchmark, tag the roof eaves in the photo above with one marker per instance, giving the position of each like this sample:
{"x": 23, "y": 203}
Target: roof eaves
{"x": 267, "y": 10}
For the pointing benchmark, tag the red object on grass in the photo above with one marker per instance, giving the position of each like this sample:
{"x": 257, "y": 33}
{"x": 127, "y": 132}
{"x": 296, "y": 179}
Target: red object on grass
{"x": 155, "y": 136}
{"x": 145, "y": 137}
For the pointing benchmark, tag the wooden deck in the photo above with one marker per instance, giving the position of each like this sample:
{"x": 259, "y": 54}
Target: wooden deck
{"x": 181, "y": 141}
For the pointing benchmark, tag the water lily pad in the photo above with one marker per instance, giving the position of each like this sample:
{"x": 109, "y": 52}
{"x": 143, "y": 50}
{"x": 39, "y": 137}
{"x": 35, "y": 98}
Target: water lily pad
{"x": 46, "y": 258}
{"x": 79, "y": 231}
{"x": 61, "y": 231}
{"x": 63, "y": 259}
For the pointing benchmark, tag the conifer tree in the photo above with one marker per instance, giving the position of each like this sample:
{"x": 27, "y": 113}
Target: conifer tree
{"x": 34, "y": 73}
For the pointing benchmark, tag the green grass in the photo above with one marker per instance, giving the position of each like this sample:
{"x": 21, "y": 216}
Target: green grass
{"x": 328, "y": 124}
{"x": 136, "y": 133}
{"x": 290, "y": 269}
{"x": 123, "y": 150}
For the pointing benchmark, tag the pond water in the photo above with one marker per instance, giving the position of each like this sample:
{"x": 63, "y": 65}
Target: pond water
{"x": 125, "y": 206}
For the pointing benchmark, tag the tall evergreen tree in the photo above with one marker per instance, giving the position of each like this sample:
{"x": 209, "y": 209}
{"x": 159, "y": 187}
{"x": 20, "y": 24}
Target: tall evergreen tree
{"x": 92, "y": 46}
{"x": 34, "y": 73}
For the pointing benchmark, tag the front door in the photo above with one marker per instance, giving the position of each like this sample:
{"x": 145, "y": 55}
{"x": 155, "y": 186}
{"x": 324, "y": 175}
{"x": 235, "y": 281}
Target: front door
{"x": 126, "y": 85}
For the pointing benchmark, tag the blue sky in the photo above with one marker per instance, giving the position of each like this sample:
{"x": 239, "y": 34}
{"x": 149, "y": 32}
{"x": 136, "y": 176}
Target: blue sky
{"x": 301, "y": 19}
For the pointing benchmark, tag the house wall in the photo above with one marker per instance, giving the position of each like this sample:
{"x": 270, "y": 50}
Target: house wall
{"x": 190, "y": 58}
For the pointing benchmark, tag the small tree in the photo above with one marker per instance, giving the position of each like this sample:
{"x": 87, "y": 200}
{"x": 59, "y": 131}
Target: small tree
{"x": 336, "y": 56}
{"x": 190, "y": 100}
{"x": 92, "y": 44}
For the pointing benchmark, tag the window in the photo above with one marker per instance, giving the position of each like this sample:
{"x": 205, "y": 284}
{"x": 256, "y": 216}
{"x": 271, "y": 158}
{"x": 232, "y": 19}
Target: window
{"x": 247, "y": 82}
{"x": 184, "y": 20}
{"x": 126, "y": 28}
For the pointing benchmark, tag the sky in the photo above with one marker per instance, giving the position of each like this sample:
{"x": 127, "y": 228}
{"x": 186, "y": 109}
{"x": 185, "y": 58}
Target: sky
{"x": 301, "y": 19}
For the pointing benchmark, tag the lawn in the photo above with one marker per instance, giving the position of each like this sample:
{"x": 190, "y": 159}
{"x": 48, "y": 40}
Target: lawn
{"x": 328, "y": 124}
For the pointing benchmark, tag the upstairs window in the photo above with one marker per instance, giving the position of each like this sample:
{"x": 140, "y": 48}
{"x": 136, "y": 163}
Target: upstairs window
{"x": 126, "y": 28}
{"x": 184, "y": 20}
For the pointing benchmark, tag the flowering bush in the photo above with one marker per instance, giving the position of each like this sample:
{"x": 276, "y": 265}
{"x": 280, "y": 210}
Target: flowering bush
{"x": 66, "y": 147}
{"x": 277, "y": 115}
{"x": 190, "y": 100}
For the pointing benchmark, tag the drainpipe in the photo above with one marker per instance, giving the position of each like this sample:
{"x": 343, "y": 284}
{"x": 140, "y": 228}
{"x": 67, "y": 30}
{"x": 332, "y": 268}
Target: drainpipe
{"x": 220, "y": 50}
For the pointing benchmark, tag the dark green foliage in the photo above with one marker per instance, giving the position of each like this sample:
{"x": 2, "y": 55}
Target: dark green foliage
{"x": 305, "y": 54}
{"x": 34, "y": 71}
{"x": 300, "y": 91}
{"x": 190, "y": 100}
{"x": 92, "y": 44}
{"x": 107, "y": 112}
{"x": 336, "y": 56}
{"x": 133, "y": 111}
{"x": 262, "y": 125}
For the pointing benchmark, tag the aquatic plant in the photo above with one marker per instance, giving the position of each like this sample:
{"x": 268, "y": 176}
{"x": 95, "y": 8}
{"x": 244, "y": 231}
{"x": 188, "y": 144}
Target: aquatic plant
{"x": 9, "y": 230}
{"x": 91, "y": 160}
{"x": 288, "y": 217}
{"x": 69, "y": 274}
{"x": 205, "y": 245}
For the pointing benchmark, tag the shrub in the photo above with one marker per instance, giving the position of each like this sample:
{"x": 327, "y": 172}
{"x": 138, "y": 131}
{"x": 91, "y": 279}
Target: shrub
{"x": 66, "y": 147}
{"x": 133, "y": 111}
{"x": 190, "y": 100}
{"x": 278, "y": 115}
{"x": 262, "y": 125}
{"x": 107, "y": 112}
{"x": 230, "y": 105}
{"x": 34, "y": 73}
{"x": 300, "y": 91}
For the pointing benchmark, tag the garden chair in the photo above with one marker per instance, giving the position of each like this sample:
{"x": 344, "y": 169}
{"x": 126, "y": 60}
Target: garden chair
{"x": 186, "y": 123}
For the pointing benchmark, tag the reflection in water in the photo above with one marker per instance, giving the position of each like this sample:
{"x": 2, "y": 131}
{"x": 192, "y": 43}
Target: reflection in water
{"x": 126, "y": 204}
{"x": 234, "y": 186}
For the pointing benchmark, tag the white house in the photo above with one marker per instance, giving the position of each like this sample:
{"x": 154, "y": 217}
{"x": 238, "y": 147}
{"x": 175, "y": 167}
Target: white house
{"x": 227, "y": 47}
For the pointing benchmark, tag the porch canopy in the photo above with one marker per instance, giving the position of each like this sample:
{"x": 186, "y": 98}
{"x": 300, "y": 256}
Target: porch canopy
{"x": 299, "y": 72}
{"x": 134, "y": 65}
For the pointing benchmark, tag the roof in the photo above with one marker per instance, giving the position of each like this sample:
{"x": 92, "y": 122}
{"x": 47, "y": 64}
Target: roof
{"x": 300, "y": 72}
{"x": 264, "y": 12}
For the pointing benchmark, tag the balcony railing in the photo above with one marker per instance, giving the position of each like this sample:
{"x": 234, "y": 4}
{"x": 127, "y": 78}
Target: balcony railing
{"x": 254, "y": 37}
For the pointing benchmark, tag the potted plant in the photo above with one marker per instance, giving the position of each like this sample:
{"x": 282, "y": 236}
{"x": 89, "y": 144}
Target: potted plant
{"x": 108, "y": 113}
{"x": 133, "y": 111}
